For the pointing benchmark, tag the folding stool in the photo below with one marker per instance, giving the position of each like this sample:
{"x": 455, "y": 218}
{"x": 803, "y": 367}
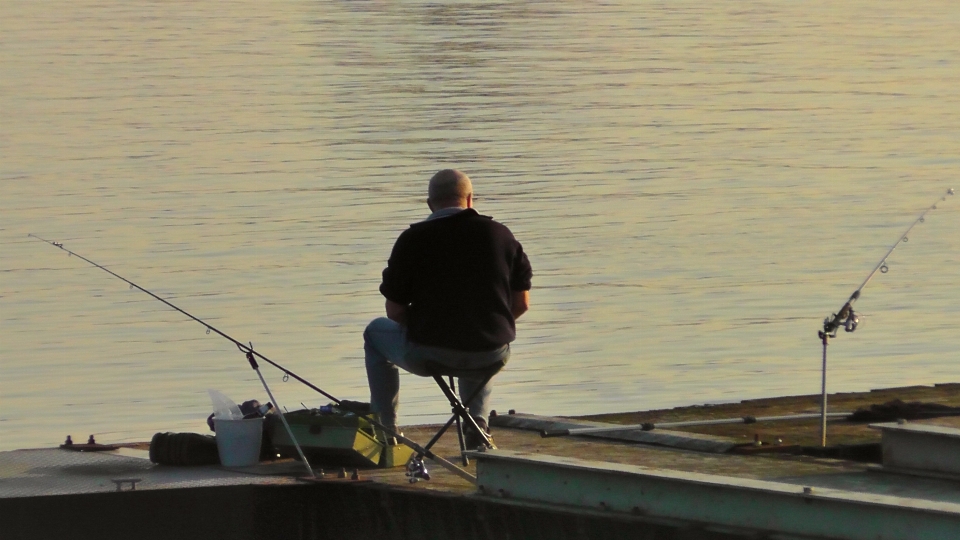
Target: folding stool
{"x": 460, "y": 413}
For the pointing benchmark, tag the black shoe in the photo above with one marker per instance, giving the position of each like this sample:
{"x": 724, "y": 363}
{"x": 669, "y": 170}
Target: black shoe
{"x": 471, "y": 439}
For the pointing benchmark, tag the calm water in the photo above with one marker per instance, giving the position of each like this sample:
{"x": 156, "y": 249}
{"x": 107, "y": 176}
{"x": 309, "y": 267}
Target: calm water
{"x": 697, "y": 187}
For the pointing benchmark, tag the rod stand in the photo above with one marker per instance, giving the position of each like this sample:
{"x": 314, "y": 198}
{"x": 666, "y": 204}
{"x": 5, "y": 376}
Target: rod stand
{"x": 824, "y": 338}
{"x": 253, "y": 364}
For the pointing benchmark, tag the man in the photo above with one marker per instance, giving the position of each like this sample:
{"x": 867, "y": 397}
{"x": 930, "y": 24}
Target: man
{"x": 455, "y": 284}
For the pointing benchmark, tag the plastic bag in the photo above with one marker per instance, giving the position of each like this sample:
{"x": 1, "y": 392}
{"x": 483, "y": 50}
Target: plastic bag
{"x": 223, "y": 407}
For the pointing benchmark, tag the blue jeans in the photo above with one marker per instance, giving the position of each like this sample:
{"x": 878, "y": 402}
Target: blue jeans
{"x": 386, "y": 347}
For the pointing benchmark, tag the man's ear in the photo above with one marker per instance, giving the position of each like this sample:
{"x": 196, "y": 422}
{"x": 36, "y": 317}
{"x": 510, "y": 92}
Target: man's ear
{"x": 469, "y": 200}
{"x": 430, "y": 205}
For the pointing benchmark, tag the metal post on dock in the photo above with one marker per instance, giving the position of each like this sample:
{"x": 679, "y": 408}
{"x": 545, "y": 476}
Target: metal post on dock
{"x": 823, "y": 392}
{"x": 256, "y": 367}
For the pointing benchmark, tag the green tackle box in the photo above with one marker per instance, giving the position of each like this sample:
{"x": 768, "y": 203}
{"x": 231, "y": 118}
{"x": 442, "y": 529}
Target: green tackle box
{"x": 328, "y": 436}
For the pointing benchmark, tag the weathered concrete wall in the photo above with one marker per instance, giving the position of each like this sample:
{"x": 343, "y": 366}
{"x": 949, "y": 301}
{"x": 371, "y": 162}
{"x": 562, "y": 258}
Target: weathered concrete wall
{"x": 335, "y": 511}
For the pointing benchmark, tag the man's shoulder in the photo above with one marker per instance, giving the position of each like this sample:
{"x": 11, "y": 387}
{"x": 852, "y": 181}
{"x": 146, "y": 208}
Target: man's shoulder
{"x": 468, "y": 215}
{"x": 468, "y": 222}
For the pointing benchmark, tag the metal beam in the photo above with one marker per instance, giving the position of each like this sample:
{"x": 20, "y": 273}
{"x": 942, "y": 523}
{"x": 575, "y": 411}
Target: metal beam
{"x": 674, "y": 439}
{"x": 767, "y": 507}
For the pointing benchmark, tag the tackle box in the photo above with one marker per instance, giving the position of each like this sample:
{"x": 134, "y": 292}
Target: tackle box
{"x": 328, "y": 436}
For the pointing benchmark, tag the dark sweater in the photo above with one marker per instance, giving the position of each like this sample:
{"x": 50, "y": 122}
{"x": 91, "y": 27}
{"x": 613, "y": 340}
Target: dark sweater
{"x": 457, "y": 275}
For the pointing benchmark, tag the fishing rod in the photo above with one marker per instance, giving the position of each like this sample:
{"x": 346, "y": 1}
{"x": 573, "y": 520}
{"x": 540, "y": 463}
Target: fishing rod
{"x": 418, "y": 471}
{"x": 848, "y": 318}
{"x": 210, "y": 328}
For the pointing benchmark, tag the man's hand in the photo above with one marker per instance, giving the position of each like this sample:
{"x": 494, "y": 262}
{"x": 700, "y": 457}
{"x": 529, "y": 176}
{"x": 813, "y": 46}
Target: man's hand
{"x": 397, "y": 312}
{"x": 519, "y": 303}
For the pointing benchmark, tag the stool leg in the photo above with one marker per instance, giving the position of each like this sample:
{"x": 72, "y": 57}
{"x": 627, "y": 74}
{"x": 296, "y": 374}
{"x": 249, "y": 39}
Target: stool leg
{"x": 440, "y": 433}
{"x": 463, "y": 456}
{"x": 455, "y": 417}
{"x": 460, "y": 414}
{"x": 460, "y": 411}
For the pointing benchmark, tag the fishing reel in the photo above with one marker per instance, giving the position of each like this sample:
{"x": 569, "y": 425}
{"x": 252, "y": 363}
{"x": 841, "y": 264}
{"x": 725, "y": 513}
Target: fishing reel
{"x": 416, "y": 469}
{"x": 847, "y": 318}
{"x": 852, "y": 321}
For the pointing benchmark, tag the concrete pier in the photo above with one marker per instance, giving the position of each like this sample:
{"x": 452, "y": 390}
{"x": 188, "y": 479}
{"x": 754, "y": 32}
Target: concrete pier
{"x": 714, "y": 483}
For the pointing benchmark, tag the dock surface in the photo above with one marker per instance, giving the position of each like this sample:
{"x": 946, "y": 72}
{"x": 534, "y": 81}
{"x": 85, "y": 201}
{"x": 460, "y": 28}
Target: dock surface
{"x": 765, "y": 458}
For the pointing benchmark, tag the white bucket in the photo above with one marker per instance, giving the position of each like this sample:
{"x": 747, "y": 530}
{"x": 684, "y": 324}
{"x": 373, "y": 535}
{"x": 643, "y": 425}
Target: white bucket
{"x": 238, "y": 441}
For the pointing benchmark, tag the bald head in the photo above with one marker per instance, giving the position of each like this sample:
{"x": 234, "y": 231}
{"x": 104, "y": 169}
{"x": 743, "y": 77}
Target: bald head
{"x": 448, "y": 188}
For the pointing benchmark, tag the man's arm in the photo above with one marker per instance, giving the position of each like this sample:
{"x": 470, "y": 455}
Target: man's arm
{"x": 519, "y": 303}
{"x": 397, "y": 312}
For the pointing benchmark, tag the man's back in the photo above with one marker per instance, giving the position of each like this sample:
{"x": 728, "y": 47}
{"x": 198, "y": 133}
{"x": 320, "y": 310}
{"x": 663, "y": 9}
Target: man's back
{"x": 457, "y": 274}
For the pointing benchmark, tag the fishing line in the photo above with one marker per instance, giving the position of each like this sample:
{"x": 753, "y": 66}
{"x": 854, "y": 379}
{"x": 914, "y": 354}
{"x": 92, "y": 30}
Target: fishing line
{"x": 849, "y": 319}
{"x": 243, "y": 347}
{"x": 250, "y": 354}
